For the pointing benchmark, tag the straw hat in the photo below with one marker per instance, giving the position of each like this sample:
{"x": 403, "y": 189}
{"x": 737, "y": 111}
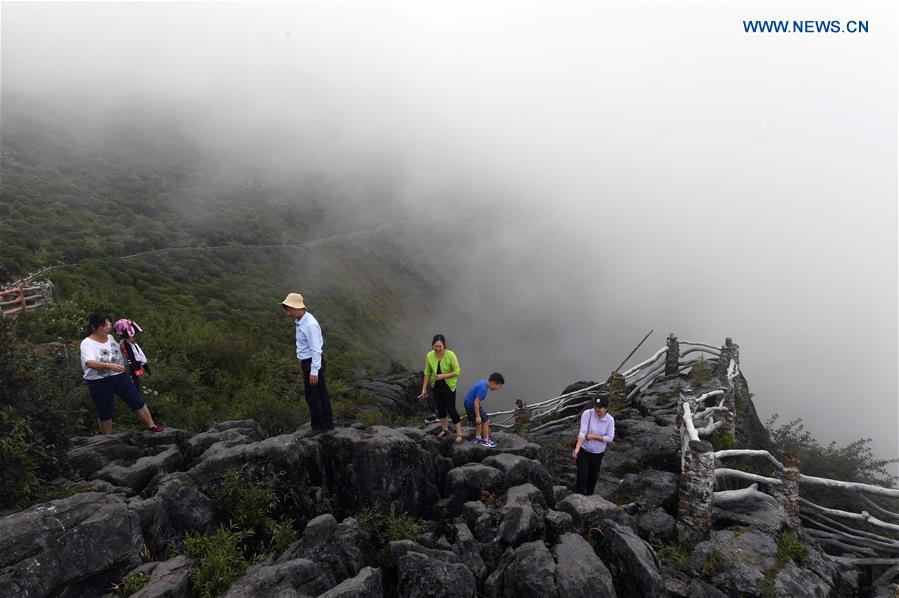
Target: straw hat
{"x": 294, "y": 300}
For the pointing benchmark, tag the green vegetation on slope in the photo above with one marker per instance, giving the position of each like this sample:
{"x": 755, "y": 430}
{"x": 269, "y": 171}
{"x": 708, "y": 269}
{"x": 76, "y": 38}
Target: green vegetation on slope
{"x": 219, "y": 344}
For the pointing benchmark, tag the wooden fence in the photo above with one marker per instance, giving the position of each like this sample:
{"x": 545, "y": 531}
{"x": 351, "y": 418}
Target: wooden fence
{"x": 26, "y": 296}
{"x": 866, "y": 538}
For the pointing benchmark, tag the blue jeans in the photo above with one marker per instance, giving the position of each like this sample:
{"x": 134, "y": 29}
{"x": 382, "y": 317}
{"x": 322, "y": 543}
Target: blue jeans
{"x": 104, "y": 390}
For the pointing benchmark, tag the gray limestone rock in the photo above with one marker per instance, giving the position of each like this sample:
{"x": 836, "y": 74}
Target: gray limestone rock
{"x": 656, "y": 524}
{"x": 277, "y": 454}
{"x": 520, "y": 523}
{"x": 289, "y": 579}
{"x": 531, "y": 573}
{"x": 526, "y": 495}
{"x": 169, "y": 579}
{"x": 651, "y": 488}
{"x": 423, "y": 572}
{"x": 556, "y": 523}
{"x": 469, "y": 452}
{"x": 367, "y": 584}
{"x": 634, "y": 564}
{"x": 335, "y": 547}
{"x": 469, "y": 481}
{"x": 61, "y": 543}
{"x": 587, "y": 511}
{"x": 521, "y": 470}
{"x": 374, "y": 465}
{"x": 767, "y": 515}
{"x": 641, "y": 443}
{"x": 137, "y": 474}
{"x": 579, "y": 572}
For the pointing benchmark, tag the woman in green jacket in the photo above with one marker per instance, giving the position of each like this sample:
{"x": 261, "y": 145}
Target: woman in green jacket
{"x": 442, "y": 374}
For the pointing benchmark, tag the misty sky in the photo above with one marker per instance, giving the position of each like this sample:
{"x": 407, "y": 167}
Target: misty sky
{"x": 595, "y": 170}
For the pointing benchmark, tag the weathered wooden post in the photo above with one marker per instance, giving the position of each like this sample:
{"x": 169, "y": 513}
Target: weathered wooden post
{"x": 729, "y": 417}
{"x": 672, "y": 356}
{"x": 695, "y": 488}
{"x": 730, "y": 351}
{"x": 788, "y": 492}
{"x": 21, "y": 299}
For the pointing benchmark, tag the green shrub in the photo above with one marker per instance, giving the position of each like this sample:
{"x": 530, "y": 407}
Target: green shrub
{"x": 280, "y": 534}
{"x": 722, "y": 441}
{"x": 701, "y": 373}
{"x": 371, "y": 417}
{"x": 790, "y": 548}
{"x": 218, "y": 559}
{"x": 674, "y": 554}
{"x": 247, "y": 503}
{"x": 250, "y": 506}
{"x": 55, "y": 492}
{"x": 20, "y": 459}
{"x": 382, "y": 528}
{"x": 492, "y": 500}
{"x": 854, "y": 462}
{"x": 131, "y": 584}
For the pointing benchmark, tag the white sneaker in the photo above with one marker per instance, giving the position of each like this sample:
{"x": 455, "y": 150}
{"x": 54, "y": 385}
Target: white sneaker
{"x": 490, "y": 443}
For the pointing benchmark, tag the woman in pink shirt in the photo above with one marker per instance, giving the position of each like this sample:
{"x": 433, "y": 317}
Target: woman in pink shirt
{"x": 597, "y": 430}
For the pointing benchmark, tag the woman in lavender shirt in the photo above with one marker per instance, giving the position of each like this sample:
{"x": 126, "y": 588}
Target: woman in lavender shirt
{"x": 597, "y": 430}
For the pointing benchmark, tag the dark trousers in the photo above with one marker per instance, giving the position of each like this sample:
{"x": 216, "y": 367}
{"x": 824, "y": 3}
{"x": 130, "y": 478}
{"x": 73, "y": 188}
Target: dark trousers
{"x": 588, "y": 466}
{"x": 317, "y": 397}
{"x": 446, "y": 402}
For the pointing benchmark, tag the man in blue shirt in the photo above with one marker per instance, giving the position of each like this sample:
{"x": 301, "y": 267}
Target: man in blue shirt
{"x": 309, "y": 352}
{"x": 475, "y": 409}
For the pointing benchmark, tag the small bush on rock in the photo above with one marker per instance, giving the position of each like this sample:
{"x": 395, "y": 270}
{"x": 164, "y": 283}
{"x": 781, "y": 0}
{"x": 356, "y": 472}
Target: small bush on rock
{"x": 251, "y": 507}
{"x": 675, "y": 555}
{"x": 491, "y": 500}
{"x": 218, "y": 559}
{"x": 701, "y": 373}
{"x": 247, "y": 504}
{"x": 131, "y": 584}
{"x": 20, "y": 457}
{"x": 789, "y": 548}
{"x": 383, "y": 528}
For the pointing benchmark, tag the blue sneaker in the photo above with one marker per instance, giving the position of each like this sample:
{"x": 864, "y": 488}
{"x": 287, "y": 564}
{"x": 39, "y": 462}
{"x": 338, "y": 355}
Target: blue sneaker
{"x": 489, "y": 443}
{"x": 478, "y": 441}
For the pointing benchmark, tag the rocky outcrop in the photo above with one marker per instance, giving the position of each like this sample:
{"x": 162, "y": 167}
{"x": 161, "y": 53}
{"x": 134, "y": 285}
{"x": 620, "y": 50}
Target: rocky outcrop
{"x": 634, "y": 564}
{"x": 498, "y": 522}
{"x": 297, "y": 577}
{"x": 423, "y": 572}
{"x": 579, "y": 572}
{"x": 335, "y": 546}
{"x": 367, "y": 584}
{"x": 168, "y": 579}
{"x": 379, "y": 465}
{"x": 77, "y": 542}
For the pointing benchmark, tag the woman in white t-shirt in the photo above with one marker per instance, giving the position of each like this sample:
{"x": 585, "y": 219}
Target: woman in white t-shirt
{"x": 104, "y": 373}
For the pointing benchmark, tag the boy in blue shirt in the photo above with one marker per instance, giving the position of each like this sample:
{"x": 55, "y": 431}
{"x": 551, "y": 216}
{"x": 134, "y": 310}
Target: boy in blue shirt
{"x": 475, "y": 409}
